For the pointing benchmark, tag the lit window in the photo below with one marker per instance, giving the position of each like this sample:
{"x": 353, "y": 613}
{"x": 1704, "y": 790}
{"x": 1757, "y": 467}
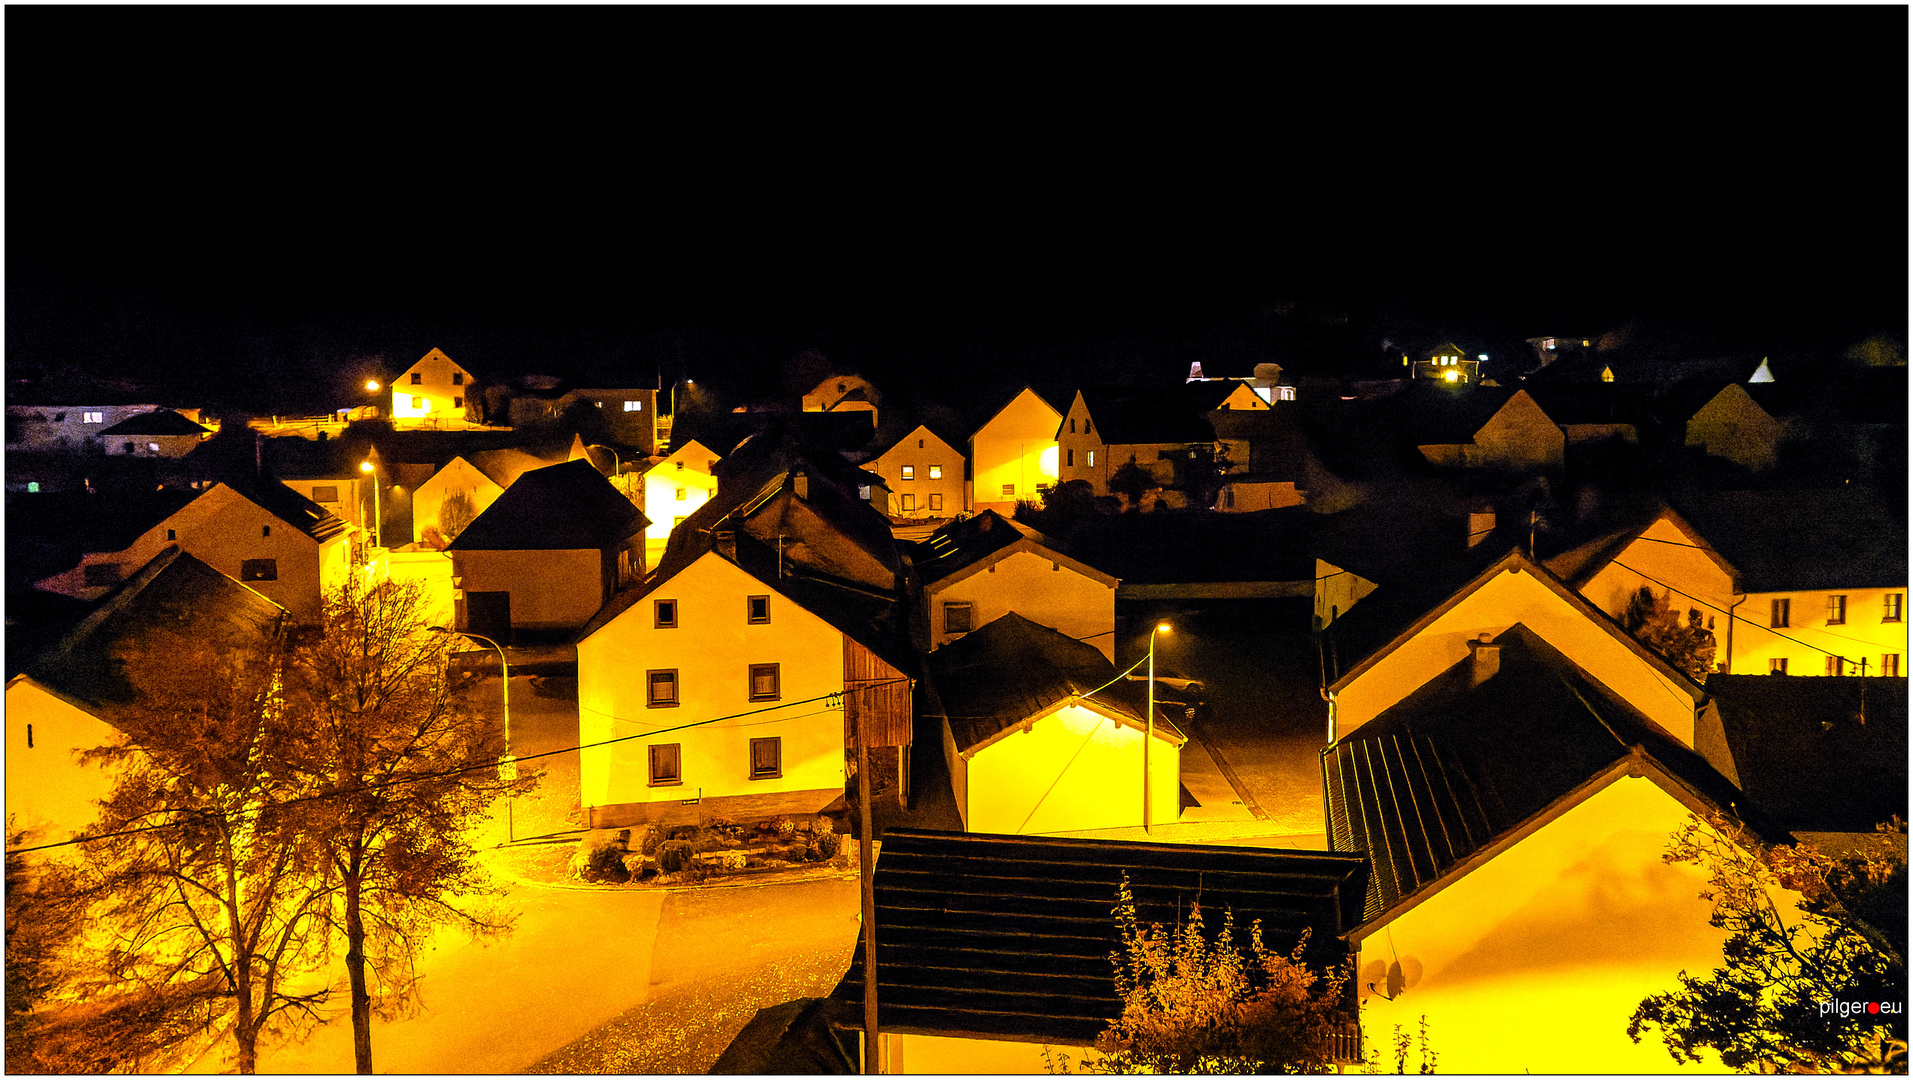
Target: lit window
{"x": 936, "y": 502}
{"x": 936, "y": 472}
{"x": 33, "y": 487}
{"x": 1836, "y": 609}
{"x": 1890, "y": 664}
{"x": 1451, "y": 376}
{"x": 767, "y": 758}
{"x": 663, "y": 689}
{"x": 634, "y": 406}
{"x": 1092, "y": 459}
{"x": 909, "y": 472}
{"x": 1285, "y": 393}
{"x": 259, "y": 570}
{"x": 666, "y": 613}
{"x": 863, "y": 492}
{"x": 1836, "y": 665}
{"x": 956, "y": 617}
{"x": 153, "y": 446}
{"x": 92, "y": 418}
{"x": 1777, "y": 666}
{"x": 1894, "y": 601}
{"x": 764, "y": 682}
{"x": 1780, "y": 612}
{"x": 665, "y": 765}
{"x": 909, "y": 502}
{"x": 758, "y": 609}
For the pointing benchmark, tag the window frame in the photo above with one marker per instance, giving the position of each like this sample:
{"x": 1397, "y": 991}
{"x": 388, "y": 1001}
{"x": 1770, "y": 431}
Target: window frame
{"x": 676, "y": 759}
{"x": 321, "y": 489}
{"x": 909, "y": 502}
{"x": 969, "y": 616}
{"x": 1777, "y": 665}
{"x": 775, "y": 671}
{"x": 1780, "y": 613}
{"x": 936, "y": 472}
{"x": 750, "y": 611}
{"x": 658, "y": 621}
{"x": 936, "y": 500}
{"x": 1836, "y": 665}
{"x": 1836, "y": 609}
{"x": 651, "y": 700}
{"x": 1890, "y": 664}
{"x": 776, "y": 771}
{"x": 909, "y": 472}
{"x": 418, "y": 379}
{"x": 1893, "y": 608}
{"x": 1009, "y": 491}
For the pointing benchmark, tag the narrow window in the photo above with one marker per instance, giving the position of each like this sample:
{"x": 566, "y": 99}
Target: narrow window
{"x": 764, "y": 682}
{"x": 909, "y": 472}
{"x": 1085, "y": 425}
{"x": 153, "y": 446}
{"x": 1777, "y": 666}
{"x": 418, "y": 402}
{"x": 172, "y": 534}
{"x": 767, "y": 758}
{"x": 665, "y": 613}
{"x": 417, "y": 378}
{"x": 1894, "y": 602}
{"x": 1780, "y": 612}
{"x": 956, "y": 617}
{"x": 919, "y": 444}
{"x": 1092, "y": 459}
{"x": 863, "y": 492}
{"x": 1890, "y": 664}
{"x": 458, "y": 378}
{"x": 909, "y": 502}
{"x": 265, "y": 530}
{"x": 92, "y": 418}
{"x": 663, "y": 689}
{"x": 936, "y": 502}
{"x": 1072, "y": 425}
{"x": 1836, "y": 665}
{"x": 259, "y": 570}
{"x": 666, "y": 767}
{"x": 1009, "y": 489}
{"x": 758, "y": 609}
{"x": 1836, "y": 610}
{"x": 1069, "y": 458}
{"x": 936, "y": 472}
{"x": 29, "y": 736}
{"x": 458, "y": 403}
{"x": 681, "y": 492}
{"x": 680, "y": 466}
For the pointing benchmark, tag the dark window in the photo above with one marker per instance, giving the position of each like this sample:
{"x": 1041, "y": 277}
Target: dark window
{"x": 417, "y": 378}
{"x": 265, "y": 530}
{"x": 1836, "y": 665}
{"x": 1780, "y": 611}
{"x": 666, "y": 766}
{"x": 259, "y": 570}
{"x": 1890, "y": 664}
{"x": 1085, "y": 425}
{"x": 458, "y": 378}
{"x": 1072, "y": 425}
{"x": 666, "y": 612}
{"x": 1069, "y": 457}
{"x": 663, "y": 689}
{"x": 129, "y": 448}
{"x": 909, "y": 502}
{"x": 919, "y": 444}
{"x": 458, "y": 403}
{"x": 1777, "y": 666}
{"x": 1836, "y": 609}
{"x": 29, "y": 736}
{"x": 767, "y": 759}
{"x": 103, "y": 573}
{"x": 1894, "y": 602}
{"x": 172, "y": 534}
{"x": 326, "y": 493}
{"x": 956, "y": 617}
{"x": 936, "y": 502}
{"x": 764, "y": 682}
{"x": 759, "y": 609}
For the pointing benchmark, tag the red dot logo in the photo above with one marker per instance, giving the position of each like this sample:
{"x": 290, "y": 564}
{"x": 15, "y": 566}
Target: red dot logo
{"x": 1873, "y": 1006}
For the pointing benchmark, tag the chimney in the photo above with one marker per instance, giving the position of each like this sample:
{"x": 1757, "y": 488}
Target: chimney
{"x": 1483, "y": 661}
{"x": 1195, "y": 372}
{"x": 800, "y": 483}
{"x": 1481, "y": 522}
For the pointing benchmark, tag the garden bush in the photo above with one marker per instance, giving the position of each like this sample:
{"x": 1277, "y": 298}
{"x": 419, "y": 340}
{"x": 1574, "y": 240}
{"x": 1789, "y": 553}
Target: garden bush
{"x": 606, "y": 864}
{"x": 826, "y": 845}
{"x": 674, "y": 856}
{"x": 733, "y": 860}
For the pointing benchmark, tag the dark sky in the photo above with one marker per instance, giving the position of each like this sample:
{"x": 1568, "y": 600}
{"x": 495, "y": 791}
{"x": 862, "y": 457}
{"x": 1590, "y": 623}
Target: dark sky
{"x": 262, "y": 195}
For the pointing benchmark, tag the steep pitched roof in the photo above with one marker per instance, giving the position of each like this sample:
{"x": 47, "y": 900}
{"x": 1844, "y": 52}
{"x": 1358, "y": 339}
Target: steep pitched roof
{"x": 287, "y": 505}
{"x": 1141, "y": 414}
{"x": 1454, "y": 769}
{"x": 559, "y": 507}
{"x": 1012, "y": 669}
{"x": 1801, "y": 539}
{"x": 174, "y": 602}
{"x": 1009, "y": 937}
{"x": 157, "y": 422}
{"x": 1802, "y": 755}
{"x": 504, "y": 466}
{"x": 1209, "y": 394}
{"x": 976, "y": 540}
{"x": 1046, "y": 399}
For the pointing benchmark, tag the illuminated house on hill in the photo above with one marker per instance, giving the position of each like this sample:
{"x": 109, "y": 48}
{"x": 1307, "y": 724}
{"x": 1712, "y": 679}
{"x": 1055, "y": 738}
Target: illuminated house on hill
{"x": 1014, "y": 454}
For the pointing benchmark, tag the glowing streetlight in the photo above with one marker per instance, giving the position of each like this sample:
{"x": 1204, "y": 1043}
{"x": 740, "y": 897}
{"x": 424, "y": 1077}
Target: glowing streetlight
{"x": 378, "y": 512}
{"x": 1149, "y": 723}
{"x": 372, "y": 386}
{"x": 508, "y": 765}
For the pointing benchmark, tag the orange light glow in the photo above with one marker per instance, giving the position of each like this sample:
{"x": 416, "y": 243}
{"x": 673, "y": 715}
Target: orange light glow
{"x": 372, "y": 384}
{"x": 365, "y": 466}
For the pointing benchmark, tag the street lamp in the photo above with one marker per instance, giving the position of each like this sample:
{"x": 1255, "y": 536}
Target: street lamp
{"x": 508, "y": 766}
{"x": 378, "y": 512}
{"x": 371, "y": 386}
{"x": 1149, "y": 723}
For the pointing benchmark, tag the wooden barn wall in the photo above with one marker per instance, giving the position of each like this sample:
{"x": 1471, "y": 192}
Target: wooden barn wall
{"x": 886, "y": 707}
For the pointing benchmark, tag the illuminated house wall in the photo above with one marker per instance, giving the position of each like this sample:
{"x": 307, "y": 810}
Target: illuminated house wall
{"x": 1337, "y": 590}
{"x": 1734, "y": 426}
{"x": 1534, "y": 960}
{"x": 1042, "y": 586}
{"x": 1072, "y": 770}
{"x": 1512, "y": 593}
{"x": 673, "y": 489}
{"x": 434, "y": 389}
{"x": 1014, "y": 452}
{"x": 924, "y": 474}
{"x": 47, "y": 787}
{"x": 711, "y": 649}
{"x": 550, "y": 590}
{"x": 1519, "y": 437}
{"x": 340, "y": 498}
{"x": 843, "y": 393}
{"x": 457, "y": 475}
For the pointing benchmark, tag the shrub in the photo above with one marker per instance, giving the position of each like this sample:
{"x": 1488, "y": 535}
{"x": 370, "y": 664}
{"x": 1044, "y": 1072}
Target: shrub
{"x": 652, "y": 838}
{"x": 826, "y": 845}
{"x": 825, "y": 826}
{"x": 733, "y": 860}
{"x": 784, "y": 827}
{"x": 673, "y": 856}
{"x": 606, "y": 864}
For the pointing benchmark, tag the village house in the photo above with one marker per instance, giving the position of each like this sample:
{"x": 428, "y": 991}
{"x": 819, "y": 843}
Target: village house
{"x": 458, "y": 477}
{"x": 80, "y": 427}
{"x": 1447, "y": 362}
{"x": 259, "y": 532}
{"x": 975, "y": 571}
{"x": 995, "y": 950}
{"x": 630, "y": 416}
{"x": 129, "y": 646}
{"x": 546, "y": 555}
{"x": 844, "y": 393}
{"x": 1222, "y": 395}
{"x": 1107, "y": 428}
{"x": 673, "y": 490}
{"x": 1014, "y": 454}
{"x": 924, "y": 474}
{"x": 1042, "y": 736}
{"x": 1519, "y": 438}
{"x": 160, "y": 433}
{"x": 431, "y": 393}
{"x": 1735, "y": 427}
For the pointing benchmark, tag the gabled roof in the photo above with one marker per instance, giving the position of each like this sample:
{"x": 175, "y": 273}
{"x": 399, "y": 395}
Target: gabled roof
{"x": 1011, "y": 400}
{"x": 1804, "y": 758}
{"x": 157, "y": 422}
{"x": 927, "y": 430}
{"x": 1009, "y": 937}
{"x": 1127, "y": 415}
{"x": 964, "y": 547}
{"x": 1454, "y": 772}
{"x": 1209, "y": 394}
{"x": 134, "y": 633}
{"x": 1802, "y": 539}
{"x": 285, "y": 504}
{"x": 557, "y": 508}
{"x": 503, "y": 467}
{"x": 1012, "y": 670}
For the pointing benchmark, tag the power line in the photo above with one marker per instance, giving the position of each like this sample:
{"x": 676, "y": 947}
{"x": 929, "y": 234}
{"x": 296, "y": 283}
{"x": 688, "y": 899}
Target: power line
{"x": 1742, "y": 618}
{"x": 419, "y": 778}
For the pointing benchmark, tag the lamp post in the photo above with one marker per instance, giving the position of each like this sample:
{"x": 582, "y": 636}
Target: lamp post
{"x": 618, "y": 466}
{"x": 378, "y": 510}
{"x": 1149, "y": 724}
{"x": 508, "y": 766}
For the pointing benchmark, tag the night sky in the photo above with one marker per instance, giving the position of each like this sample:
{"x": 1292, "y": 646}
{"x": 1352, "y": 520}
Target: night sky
{"x": 250, "y": 204}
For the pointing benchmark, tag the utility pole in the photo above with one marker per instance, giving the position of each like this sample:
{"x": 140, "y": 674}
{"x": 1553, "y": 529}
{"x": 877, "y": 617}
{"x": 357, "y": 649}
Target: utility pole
{"x": 866, "y": 872}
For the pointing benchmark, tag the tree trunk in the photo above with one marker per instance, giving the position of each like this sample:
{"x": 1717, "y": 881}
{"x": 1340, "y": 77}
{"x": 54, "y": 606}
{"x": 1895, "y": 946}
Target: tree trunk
{"x": 355, "y": 972}
{"x": 247, "y": 1036}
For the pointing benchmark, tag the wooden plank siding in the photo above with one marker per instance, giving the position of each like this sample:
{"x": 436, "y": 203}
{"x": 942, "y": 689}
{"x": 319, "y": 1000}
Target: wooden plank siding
{"x": 887, "y": 707}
